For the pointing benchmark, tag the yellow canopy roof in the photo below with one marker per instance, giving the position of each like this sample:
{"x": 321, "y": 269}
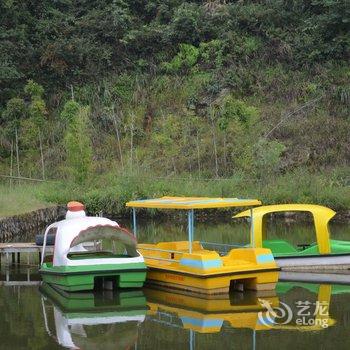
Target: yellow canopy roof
{"x": 192, "y": 203}
{"x": 321, "y": 216}
{"x": 318, "y": 211}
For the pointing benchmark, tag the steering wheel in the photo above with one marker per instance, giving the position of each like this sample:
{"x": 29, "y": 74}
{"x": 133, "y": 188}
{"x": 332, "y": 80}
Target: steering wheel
{"x": 304, "y": 245}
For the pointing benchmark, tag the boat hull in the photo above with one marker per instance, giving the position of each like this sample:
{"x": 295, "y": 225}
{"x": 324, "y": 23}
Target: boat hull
{"x": 330, "y": 262}
{"x": 175, "y": 265}
{"x": 213, "y": 284}
{"x": 84, "y": 278}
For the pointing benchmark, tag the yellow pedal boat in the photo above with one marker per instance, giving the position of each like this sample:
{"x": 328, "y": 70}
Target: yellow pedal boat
{"x": 187, "y": 265}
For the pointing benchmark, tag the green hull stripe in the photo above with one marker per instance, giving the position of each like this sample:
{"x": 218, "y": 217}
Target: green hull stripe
{"x": 74, "y": 273}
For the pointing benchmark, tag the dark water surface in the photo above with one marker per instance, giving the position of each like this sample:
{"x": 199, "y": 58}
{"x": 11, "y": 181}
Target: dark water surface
{"x": 315, "y": 316}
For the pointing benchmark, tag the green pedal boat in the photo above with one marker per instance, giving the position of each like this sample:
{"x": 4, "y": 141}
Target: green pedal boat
{"x": 322, "y": 255}
{"x": 79, "y": 261}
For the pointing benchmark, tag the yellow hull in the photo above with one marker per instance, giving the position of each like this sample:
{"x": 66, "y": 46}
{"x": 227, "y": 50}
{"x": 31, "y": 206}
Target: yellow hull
{"x": 205, "y": 272}
{"x": 211, "y": 284}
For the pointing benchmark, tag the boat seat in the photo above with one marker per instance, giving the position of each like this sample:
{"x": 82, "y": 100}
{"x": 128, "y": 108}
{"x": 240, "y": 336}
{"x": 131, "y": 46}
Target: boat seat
{"x": 48, "y": 258}
{"x": 279, "y": 246}
{"x": 94, "y": 255}
{"x": 181, "y": 246}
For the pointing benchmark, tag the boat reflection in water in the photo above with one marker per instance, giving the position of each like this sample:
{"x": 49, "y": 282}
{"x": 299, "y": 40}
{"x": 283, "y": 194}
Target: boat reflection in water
{"x": 240, "y": 310}
{"x": 244, "y": 310}
{"x": 107, "y": 319}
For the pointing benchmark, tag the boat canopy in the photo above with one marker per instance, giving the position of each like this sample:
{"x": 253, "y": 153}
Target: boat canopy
{"x": 192, "y": 203}
{"x": 71, "y": 233}
{"x": 321, "y": 215}
{"x": 189, "y": 204}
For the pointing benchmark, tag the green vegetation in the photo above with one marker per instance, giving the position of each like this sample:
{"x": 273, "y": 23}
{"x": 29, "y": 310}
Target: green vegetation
{"x": 20, "y": 199}
{"x": 111, "y": 97}
{"x": 109, "y": 192}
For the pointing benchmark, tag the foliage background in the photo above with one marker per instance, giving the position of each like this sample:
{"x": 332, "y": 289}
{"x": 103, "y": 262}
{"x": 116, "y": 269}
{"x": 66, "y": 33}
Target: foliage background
{"x": 99, "y": 93}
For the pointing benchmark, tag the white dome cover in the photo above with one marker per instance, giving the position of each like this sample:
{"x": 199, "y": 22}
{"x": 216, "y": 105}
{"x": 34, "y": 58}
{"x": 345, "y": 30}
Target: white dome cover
{"x": 97, "y": 228}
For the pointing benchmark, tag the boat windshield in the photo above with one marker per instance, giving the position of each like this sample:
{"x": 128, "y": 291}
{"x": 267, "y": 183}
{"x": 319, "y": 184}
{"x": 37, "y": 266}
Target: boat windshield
{"x": 103, "y": 242}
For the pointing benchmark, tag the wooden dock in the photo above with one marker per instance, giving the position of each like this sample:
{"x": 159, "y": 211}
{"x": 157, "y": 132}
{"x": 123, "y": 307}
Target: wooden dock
{"x": 16, "y": 249}
{"x": 24, "y": 277}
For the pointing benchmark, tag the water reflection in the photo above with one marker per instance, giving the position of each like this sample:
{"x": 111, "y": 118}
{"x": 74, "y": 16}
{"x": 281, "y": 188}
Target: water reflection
{"x": 112, "y": 320}
{"x": 251, "y": 311}
{"x": 175, "y": 321}
{"x": 93, "y": 320}
{"x": 240, "y": 310}
{"x": 160, "y": 319}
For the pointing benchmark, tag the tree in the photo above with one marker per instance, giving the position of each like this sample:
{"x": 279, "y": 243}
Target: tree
{"x": 37, "y": 112}
{"x": 77, "y": 141}
{"x": 14, "y": 112}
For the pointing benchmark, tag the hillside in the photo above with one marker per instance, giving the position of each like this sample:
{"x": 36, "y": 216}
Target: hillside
{"x": 99, "y": 93}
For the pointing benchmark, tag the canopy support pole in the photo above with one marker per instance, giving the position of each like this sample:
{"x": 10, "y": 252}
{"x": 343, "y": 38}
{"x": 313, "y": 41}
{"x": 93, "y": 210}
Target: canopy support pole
{"x": 192, "y": 339}
{"x": 190, "y": 217}
{"x": 134, "y": 226}
{"x": 254, "y": 339}
{"x": 252, "y": 238}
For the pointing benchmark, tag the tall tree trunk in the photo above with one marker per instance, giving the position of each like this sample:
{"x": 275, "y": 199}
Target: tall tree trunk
{"x": 17, "y": 153}
{"x": 225, "y": 153}
{"x": 174, "y": 166}
{"x": 72, "y": 92}
{"x": 11, "y": 164}
{"x": 115, "y": 123}
{"x": 214, "y": 144}
{"x": 131, "y": 140}
{"x": 42, "y": 156}
{"x": 198, "y": 154}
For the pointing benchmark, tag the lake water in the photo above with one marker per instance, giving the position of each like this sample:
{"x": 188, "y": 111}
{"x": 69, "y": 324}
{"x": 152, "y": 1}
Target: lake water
{"x": 314, "y": 316}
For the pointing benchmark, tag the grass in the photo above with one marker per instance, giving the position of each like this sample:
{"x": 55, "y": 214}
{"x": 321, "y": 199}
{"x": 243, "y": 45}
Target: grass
{"x": 108, "y": 193}
{"x": 20, "y": 199}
